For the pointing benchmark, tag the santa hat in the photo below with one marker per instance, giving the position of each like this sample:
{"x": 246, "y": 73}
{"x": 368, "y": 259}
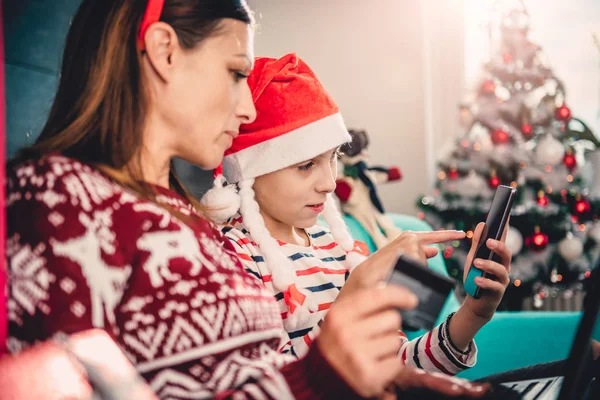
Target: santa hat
{"x": 296, "y": 121}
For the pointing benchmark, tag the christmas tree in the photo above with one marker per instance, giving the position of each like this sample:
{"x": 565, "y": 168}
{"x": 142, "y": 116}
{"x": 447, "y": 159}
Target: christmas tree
{"x": 519, "y": 131}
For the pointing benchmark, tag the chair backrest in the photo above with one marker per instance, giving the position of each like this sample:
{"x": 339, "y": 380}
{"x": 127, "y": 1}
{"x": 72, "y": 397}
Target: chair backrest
{"x": 3, "y": 317}
{"x": 34, "y": 35}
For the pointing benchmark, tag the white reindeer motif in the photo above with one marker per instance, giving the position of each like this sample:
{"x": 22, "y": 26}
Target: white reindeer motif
{"x": 166, "y": 245}
{"x": 104, "y": 281}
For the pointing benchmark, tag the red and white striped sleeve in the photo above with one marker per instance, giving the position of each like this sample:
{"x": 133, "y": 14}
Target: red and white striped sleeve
{"x": 435, "y": 352}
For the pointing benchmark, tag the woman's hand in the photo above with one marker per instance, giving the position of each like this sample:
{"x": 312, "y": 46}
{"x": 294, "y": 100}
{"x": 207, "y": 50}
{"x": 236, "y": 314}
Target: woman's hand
{"x": 378, "y": 266}
{"x": 359, "y": 338}
{"x": 412, "y": 378}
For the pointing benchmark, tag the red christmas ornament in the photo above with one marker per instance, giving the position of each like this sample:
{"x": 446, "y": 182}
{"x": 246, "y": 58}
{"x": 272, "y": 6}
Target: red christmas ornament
{"x": 569, "y": 160}
{"x": 582, "y": 207}
{"x": 500, "y": 137}
{"x": 563, "y": 113}
{"x": 542, "y": 199}
{"x": 538, "y": 241}
{"x": 494, "y": 182}
{"x": 453, "y": 174}
{"x": 488, "y": 86}
{"x": 527, "y": 130}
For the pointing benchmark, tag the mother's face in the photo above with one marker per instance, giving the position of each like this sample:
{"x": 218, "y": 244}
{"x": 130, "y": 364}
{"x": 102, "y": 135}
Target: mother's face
{"x": 207, "y": 96}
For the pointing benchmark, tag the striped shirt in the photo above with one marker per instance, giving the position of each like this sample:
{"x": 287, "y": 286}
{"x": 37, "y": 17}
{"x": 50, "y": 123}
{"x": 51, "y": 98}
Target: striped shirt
{"x": 321, "y": 271}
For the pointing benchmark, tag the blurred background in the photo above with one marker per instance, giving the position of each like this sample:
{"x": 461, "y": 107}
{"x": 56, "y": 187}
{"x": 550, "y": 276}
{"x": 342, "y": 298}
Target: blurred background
{"x": 428, "y": 82}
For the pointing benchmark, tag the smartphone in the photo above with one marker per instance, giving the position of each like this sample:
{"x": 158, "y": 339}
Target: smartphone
{"x": 495, "y": 224}
{"x": 430, "y": 287}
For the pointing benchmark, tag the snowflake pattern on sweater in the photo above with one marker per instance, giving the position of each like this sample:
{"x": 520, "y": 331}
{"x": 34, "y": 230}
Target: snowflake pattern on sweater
{"x": 320, "y": 270}
{"x": 85, "y": 252}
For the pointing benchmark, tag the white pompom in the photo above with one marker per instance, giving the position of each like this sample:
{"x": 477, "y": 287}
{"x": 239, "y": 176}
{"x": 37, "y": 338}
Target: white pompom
{"x": 221, "y": 202}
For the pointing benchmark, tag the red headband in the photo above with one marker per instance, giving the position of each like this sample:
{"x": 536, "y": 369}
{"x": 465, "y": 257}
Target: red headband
{"x": 152, "y": 15}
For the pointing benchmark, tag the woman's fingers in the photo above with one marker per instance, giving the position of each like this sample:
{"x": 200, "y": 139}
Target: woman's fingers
{"x": 383, "y": 323}
{"x": 359, "y": 337}
{"x": 365, "y": 303}
{"x": 385, "y": 347}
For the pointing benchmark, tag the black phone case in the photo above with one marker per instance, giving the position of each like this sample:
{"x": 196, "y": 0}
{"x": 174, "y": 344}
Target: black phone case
{"x": 495, "y": 224}
{"x": 430, "y": 287}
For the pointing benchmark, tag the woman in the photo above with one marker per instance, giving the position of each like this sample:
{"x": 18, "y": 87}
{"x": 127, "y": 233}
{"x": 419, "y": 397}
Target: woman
{"x": 103, "y": 235}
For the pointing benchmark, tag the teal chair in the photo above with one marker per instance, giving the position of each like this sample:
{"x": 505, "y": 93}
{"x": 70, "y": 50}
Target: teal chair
{"x": 511, "y": 339}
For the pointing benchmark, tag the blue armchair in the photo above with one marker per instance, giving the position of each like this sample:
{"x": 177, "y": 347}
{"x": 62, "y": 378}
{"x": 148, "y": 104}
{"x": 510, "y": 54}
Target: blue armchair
{"x": 511, "y": 339}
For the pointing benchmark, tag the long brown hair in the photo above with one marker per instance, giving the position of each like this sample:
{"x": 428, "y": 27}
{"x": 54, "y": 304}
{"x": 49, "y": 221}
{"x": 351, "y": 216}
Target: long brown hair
{"x": 99, "y": 111}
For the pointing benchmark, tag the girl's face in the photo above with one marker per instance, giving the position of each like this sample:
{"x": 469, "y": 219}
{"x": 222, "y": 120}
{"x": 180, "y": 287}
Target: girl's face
{"x": 295, "y": 196}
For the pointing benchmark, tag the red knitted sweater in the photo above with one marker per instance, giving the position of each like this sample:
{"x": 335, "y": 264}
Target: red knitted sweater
{"x": 85, "y": 252}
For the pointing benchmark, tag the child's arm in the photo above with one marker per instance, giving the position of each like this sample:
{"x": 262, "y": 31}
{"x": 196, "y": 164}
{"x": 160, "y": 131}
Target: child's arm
{"x": 473, "y": 314}
{"x": 435, "y": 352}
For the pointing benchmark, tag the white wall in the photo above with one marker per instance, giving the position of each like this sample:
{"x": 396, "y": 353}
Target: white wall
{"x": 377, "y": 58}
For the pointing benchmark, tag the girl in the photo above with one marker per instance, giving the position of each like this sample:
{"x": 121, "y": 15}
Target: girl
{"x": 285, "y": 165}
